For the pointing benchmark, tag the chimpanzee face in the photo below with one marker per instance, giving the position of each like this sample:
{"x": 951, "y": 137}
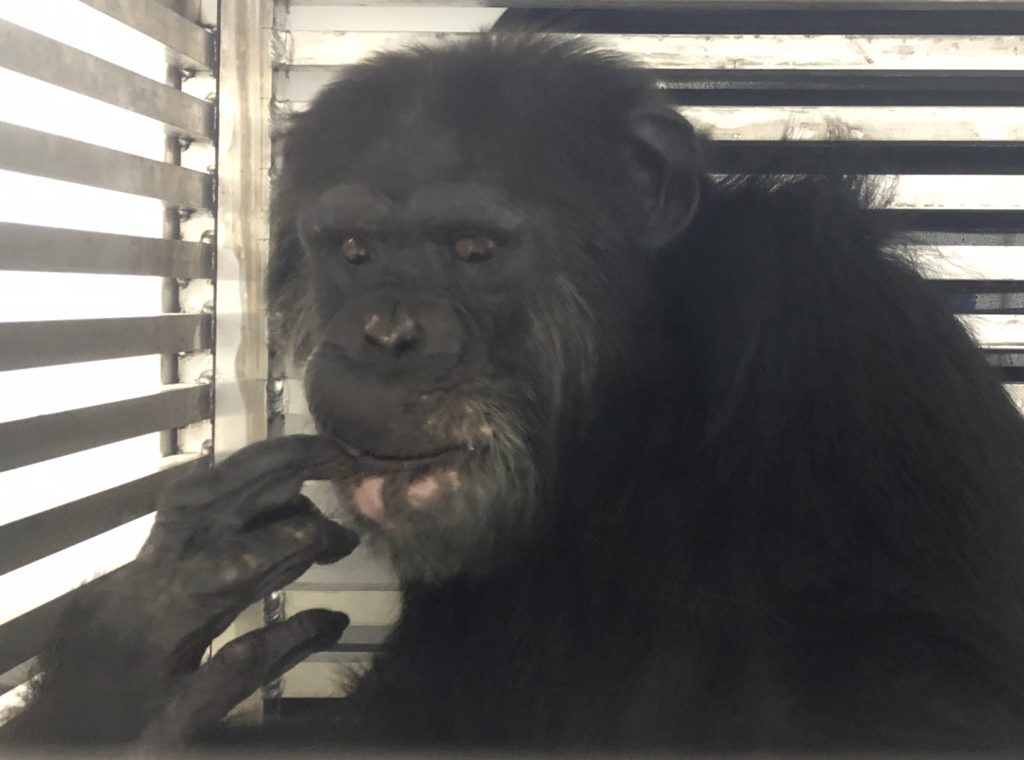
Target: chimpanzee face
{"x": 436, "y": 362}
{"x": 445, "y": 268}
{"x": 412, "y": 291}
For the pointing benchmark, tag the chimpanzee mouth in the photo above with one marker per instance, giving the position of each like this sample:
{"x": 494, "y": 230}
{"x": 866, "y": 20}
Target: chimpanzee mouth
{"x": 403, "y": 462}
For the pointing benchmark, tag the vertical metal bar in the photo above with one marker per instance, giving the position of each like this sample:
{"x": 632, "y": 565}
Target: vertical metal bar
{"x": 169, "y": 301}
{"x": 241, "y": 355}
{"x": 272, "y": 692}
{"x": 240, "y": 367}
{"x": 274, "y": 605}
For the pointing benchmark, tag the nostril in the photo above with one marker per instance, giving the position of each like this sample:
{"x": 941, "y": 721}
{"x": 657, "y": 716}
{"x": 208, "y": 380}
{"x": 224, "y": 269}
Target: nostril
{"x": 406, "y": 330}
{"x": 373, "y": 325}
{"x": 396, "y": 333}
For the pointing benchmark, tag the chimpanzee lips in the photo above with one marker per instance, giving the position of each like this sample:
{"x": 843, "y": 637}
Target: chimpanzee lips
{"x": 390, "y": 484}
{"x": 399, "y": 462}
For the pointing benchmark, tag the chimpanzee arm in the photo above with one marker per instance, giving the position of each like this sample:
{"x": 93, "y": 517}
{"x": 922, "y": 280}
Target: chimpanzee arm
{"x": 126, "y": 666}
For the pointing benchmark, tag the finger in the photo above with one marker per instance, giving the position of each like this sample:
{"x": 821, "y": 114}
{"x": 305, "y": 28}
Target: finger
{"x": 298, "y": 504}
{"x": 236, "y": 504}
{"x": 261, "y": 502}
{"x": 209, "y": 590}
{"x": 182, "y": 533}
{"x": 288, "y": 459}
{"x": 203, "y": 699}
{"x": 255, "y": 563}
{"x": 301, "y": 454}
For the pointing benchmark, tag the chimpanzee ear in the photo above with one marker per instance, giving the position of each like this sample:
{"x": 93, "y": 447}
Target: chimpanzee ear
{"x": 666, "y": 164}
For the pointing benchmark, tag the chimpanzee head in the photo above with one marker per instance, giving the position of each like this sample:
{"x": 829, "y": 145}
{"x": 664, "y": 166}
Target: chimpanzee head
{"x": 463, "y": 261}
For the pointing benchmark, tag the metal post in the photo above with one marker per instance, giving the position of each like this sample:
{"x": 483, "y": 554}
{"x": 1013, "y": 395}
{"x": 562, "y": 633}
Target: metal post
{"x": 241, "y": 363}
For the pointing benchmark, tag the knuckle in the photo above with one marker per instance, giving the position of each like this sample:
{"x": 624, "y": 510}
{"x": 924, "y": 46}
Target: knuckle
{"x": 242, "y": 566}
{"x": 300, "y": 530}
{"x": 233, "y": 571}
{"x": 241, "y": 655}
{"x": 249, "y": 561}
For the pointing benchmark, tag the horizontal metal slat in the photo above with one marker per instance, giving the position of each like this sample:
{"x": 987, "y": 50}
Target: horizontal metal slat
{"x": 1010, "y": 363}
{"x": 26, "y": 635}
{"x": 984, "y": 296}
{"x": 32, "y": 152}
{"x": 774, "y": 18}
{"x": 860, "y": 122}
{"x": 775, "y": 89}
{"x": 192, "y": 42}
{"x": 41, "y": 344}
{"x": 362, "y": 638}
{"x": 28, "y": 248}
{"x": 865, "y": 157}
{"x": 753, "y": 87}
{"x": 677, "y": 52}
{"x": 1005, "y": 357}
{"x": 16, "y": 676}
{"x": 982, "y": 287}
{"x": 42, "y": 58}
{"x": 959, "y": 227}
{"x": 988, "y": 303}
{"x": 31, "y": 440}
{"x": 35, "y": 537}
{"x": 968, "y": 238}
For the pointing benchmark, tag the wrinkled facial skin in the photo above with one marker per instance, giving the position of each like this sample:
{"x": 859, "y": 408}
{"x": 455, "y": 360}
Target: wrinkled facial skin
{"x": 440, "y": 359}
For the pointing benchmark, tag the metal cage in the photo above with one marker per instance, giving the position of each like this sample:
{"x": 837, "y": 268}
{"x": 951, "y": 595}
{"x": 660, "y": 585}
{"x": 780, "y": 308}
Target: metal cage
{"x": 931, "y": 93}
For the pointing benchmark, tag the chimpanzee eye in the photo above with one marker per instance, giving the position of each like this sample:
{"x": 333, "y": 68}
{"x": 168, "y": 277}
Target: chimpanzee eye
{"x": 475, "y": 248}
{"x": 355, "y": 250}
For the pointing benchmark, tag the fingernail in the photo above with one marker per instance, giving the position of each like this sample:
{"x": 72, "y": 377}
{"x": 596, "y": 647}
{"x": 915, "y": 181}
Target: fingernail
{"x": 322, "y": 627}
{"x": 340, "y": 618}
{"x": 335, "y": 625}
{"x": 340, "y": 543}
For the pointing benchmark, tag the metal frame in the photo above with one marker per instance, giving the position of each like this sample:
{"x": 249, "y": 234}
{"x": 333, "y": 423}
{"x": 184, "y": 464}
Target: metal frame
{"x": 193, "y": 44}
{"x": 42, "y": 58}
{"x": 183, "y": 407}
{"x": 241, "y": 354}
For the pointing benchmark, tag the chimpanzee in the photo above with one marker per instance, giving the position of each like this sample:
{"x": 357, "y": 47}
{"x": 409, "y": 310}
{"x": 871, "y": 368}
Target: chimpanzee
{"x": 663, "y": 460}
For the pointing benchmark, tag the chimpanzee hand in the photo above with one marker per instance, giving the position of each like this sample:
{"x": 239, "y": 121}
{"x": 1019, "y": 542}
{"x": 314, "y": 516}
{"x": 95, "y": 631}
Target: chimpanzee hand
{"x": 222, "y": 539}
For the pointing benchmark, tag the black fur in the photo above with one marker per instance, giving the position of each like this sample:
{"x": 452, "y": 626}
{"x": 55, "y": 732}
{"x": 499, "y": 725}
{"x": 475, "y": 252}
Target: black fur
{"x": 775, "y": 490}
{"x": 798, "y": 522}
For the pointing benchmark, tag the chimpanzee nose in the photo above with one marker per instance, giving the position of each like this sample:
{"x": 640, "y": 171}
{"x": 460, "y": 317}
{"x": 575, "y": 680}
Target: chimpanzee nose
{"x": 421, "y": 330}
{"x": 395, "y": 331}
